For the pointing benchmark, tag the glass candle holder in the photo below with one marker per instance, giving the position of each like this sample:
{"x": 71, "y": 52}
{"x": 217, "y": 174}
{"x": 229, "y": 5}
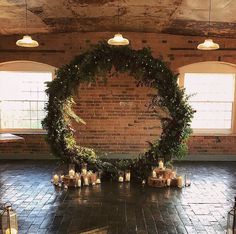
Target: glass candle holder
{"x": 231, "y": 221}
{"x": 9, "y": 220}
{"x": 98, "y": 175}
{"x": 121, "y": 176}
{"x": 187, "y": 180}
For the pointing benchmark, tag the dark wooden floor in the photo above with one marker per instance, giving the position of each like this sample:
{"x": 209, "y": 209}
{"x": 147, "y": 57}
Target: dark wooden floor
{"x": 119, "y": 208}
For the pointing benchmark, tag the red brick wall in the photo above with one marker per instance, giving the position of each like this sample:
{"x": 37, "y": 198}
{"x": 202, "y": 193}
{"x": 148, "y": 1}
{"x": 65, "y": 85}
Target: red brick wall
{"x": 116, "y": 115}
{"x": 212, "y": 145}
{"x": 33, "y": 144}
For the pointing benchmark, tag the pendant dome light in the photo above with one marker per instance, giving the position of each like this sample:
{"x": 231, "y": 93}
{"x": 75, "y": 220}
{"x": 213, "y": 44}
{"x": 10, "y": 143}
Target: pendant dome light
{"x": 118, "y": 39}
{"x": 27, "y": 41}
{"x": 208, "y": 44}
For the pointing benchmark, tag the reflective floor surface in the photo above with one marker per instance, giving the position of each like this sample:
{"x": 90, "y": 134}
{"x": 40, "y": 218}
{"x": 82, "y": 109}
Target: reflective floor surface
{"x": 119, "y": 208}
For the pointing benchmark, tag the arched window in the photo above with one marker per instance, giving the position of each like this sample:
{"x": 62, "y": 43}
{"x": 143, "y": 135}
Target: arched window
{"x": 22, "y": 95}
{"x": 212, "y": 89}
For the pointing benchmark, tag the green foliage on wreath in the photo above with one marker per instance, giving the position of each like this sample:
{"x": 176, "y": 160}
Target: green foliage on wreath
{"x": 148, "y": 71}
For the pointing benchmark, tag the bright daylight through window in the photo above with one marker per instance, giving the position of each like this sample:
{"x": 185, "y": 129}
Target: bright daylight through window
{"x": 22, "y": 99}
{"x": 212, "y": 98}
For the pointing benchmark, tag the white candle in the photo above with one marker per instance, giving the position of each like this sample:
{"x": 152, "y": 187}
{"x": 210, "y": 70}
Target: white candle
{"x": 79, "y": 183}
{"x": 127, "y": 176}
{"x": 71, "y": 173}
{"x": 143, "y": 182}
{"x": 98, "y": 181}
{"x": 180, "y": 182}
{"x": 84, "y": 171}
{"x": 168, "y": 182}
{"x": 121, "y": 179}
{"x": 161, "y": 165}
{"x": 55, "y": 179}
{"x": 86, "y": 181}
{"x": 154, "y": 174}
{"x": 173, "y": 174}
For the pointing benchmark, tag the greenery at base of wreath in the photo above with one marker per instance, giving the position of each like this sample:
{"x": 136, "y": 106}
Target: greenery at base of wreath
{"x": 148, "y": 71}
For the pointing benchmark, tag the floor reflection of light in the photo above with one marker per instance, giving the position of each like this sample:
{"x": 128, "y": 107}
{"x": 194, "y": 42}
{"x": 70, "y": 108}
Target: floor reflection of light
{"x": 101, "y": 230}
{"x": 167, "y": 193}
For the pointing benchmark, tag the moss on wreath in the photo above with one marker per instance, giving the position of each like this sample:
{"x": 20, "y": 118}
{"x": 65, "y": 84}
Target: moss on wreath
{"x": 147, "y": 71}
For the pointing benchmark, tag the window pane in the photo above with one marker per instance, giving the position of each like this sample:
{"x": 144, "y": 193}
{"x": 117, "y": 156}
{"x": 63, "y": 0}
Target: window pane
{"x": 212, "y": 115}
{"x": 213, "y": 96}
{"x": 209, "y": 87}
{"x": 22, "y": 99}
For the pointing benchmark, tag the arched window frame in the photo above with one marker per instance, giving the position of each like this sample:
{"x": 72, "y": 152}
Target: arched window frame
{"x": 26, "y": 66}
{"x": 211, "y": 67}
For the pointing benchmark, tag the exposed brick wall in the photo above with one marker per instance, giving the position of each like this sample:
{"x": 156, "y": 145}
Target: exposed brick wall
{"x": 212, "y": 145}
{"x": 32, "y": 144}
{"x": 116, "y": 113}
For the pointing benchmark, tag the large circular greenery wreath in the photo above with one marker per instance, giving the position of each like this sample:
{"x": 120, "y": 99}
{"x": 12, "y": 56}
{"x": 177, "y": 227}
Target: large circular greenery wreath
{"x": 148, "y": 71}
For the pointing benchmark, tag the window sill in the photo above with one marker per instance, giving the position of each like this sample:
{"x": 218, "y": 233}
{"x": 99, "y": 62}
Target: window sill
{"x": 216, "y": 134}
{"x": 24, "y": 131}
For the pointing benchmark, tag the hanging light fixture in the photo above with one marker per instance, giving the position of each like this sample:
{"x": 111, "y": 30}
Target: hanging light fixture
{"x": 27, "y": 41}
{"x": 118, "y": 39}
{"x": 208, "y": 44}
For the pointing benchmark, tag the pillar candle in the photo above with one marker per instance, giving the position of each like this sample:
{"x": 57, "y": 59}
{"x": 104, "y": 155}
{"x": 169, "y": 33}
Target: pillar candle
{"x": 98, "y": 181}
{"x": 71, "y": 173}
{"x": 79, "y": 183}
{"x": 180, "y": 182}
{"x": 127, "y": 176}
{"x": 168, "y": 182}
{"x": 154, "y": 174}
{"x": 55, "y": 179}
{"x": 86, "y": 181}
{"x": 161, "y": 165}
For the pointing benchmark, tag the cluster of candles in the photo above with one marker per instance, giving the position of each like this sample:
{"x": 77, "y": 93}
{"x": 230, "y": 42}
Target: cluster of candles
{"x": 124, "y": 176}
{"x": 85, "y": 177}
{"x": 181, "y": 182}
